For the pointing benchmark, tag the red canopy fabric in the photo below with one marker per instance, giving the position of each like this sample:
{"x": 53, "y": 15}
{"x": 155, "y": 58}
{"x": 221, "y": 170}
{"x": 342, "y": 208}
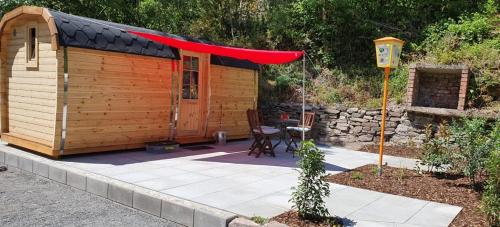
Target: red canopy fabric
{"x": 256, "y": 56}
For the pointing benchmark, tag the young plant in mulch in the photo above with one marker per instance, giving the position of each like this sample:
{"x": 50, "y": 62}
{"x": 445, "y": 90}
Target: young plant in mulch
{"x": 357, "y": 175}
{"x": 491, "y": 195}
{"x": 308, "y": 196}
{"x": 474, "y": 145}
{"x": 435, "y": 149}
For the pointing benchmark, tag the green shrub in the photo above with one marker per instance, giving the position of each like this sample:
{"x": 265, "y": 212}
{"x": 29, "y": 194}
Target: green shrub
{"x": 357, "y": 175}
{"x": 312, "y": 188}
{"x": 435, "y": 149}
{"x": 259, "y": 220}
{"x": 333, "y": 97}
{"x": 397, "y": 84}
{"x": 474, "y": 146}
{"x": 491, "y": 195}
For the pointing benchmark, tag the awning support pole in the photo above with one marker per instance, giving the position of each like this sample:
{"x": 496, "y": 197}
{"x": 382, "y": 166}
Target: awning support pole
{"x": 303, "y": 96}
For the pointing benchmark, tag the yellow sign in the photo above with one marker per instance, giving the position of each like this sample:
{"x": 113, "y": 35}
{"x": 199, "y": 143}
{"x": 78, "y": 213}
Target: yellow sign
{"x": 388, "y": 51}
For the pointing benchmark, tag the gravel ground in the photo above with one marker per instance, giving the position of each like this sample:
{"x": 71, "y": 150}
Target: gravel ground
{"x": 30, "y": 200}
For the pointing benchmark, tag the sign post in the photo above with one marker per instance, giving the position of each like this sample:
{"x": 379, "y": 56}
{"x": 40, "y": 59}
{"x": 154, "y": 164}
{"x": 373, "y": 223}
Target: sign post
{"x": 388, "y": 51}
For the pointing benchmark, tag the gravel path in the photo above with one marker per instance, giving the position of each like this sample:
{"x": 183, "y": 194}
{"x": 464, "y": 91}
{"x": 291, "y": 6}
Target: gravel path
{"x": 29, "y": 200}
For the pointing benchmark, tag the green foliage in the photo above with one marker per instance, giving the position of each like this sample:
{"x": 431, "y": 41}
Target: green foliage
{"x": 474, "y": 146}
{"x": 375, "y": 171}
{"x": 312, "y": 187}
{"x": 491, "y": 195}
{"x": 259, "y": 220}
{"x": 440, "y": 31}
{"x": 397, "y": 84}
{"x": 473, "y": 40}
{"x": 357, "y": 175}
{"x": 435, "y": 149}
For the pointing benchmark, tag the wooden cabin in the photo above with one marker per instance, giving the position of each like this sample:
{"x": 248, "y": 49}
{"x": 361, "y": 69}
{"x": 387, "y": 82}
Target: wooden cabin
{"x": 71, "y": 84}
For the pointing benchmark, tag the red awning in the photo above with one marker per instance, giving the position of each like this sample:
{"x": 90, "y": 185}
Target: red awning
{"x": 256, "y": 56}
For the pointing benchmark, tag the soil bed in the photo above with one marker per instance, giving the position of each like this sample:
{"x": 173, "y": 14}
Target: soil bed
{"x": 445, "y": 188}
{"x": 399, "y": 151}
{"x": 291, "y": 218}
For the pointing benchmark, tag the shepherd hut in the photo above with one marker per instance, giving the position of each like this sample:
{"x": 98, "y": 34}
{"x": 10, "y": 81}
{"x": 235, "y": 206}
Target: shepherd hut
{"x": 71, "y": 84}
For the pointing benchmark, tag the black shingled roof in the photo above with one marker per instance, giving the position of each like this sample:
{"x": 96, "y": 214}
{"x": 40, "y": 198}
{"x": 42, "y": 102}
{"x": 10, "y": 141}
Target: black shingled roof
{"x": 83, "y": 32}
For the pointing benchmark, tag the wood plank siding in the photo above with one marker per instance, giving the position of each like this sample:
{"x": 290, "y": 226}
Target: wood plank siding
{"x": 232, "y": 92}
{"x": 116, "y": 100}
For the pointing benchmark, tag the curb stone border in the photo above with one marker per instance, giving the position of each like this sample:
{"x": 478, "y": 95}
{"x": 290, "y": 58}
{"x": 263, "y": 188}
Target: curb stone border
{"x": 168, "y": 207}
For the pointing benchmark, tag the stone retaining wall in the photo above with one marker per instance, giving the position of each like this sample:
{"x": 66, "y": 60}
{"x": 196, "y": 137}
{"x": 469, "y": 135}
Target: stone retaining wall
{"x": 339, "y": 125}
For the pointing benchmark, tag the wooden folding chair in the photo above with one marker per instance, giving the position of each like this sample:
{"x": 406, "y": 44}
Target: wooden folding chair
{"x": 253, "y": 124}
{"x": 304, "y": 126}
{"x": 262, "y": 135}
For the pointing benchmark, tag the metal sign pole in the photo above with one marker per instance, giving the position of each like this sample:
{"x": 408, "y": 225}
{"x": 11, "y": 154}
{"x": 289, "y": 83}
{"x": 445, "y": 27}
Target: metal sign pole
{"x": 387, "y": 71}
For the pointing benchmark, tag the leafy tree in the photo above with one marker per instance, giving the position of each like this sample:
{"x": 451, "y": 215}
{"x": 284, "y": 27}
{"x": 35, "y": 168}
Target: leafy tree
{"x": 312, "y": 188}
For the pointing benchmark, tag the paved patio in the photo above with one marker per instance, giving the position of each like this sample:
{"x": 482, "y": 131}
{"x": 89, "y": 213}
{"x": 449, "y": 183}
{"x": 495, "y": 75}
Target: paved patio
{"x": 227, "y": 178}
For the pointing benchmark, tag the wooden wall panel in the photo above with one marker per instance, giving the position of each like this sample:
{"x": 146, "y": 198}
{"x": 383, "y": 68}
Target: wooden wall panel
{"x": 116, "y": 100}
{"x": 30, "y": 92}
{"x": 232, "y": 93}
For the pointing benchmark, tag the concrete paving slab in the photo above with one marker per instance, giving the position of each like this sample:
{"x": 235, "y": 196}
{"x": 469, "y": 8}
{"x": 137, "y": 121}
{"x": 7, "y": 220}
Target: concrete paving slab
{"x": 135, "y": 177}
{"x": 160, "y": 184}
{"x": 201, "y": 188}
{"x": 389, "y": 208}
{"x": 2, "y": 157}
{"x": 368, "y": 224}
{"x": 435, "y": 214}
{"x": 167, "y": 171}
{"x": 229, "y": 197}
{"x": 257, "y": 208}
{"x": 345, "y": 201}
{"x": 189, "y": 178}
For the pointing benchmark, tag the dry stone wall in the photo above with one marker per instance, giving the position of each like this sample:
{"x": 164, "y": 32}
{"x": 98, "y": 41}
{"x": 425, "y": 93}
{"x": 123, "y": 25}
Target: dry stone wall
{"x": 339, "y": 125}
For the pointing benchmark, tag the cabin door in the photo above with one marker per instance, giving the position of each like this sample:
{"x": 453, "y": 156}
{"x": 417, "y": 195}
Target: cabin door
{"x": 192, "y": 94}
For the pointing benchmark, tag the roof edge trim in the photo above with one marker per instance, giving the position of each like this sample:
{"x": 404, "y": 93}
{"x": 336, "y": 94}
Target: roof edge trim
{"x": 33, "y": 10}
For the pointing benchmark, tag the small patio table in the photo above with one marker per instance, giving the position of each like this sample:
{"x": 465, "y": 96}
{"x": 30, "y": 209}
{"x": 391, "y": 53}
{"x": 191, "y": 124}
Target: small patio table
{"x": 283, "y": 132}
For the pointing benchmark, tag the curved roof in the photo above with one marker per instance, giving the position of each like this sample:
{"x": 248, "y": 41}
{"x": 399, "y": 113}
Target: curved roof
{"x": 83, "y": 32}
{"x": 77, "y": 31}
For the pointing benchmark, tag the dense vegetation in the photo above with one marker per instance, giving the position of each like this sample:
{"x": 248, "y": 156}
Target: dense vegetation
{"x": 336, "y": 34}
{"x": 469, "y": 147}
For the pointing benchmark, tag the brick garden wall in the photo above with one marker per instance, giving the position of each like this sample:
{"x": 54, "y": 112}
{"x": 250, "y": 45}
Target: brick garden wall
{"x": 439, "y": 91}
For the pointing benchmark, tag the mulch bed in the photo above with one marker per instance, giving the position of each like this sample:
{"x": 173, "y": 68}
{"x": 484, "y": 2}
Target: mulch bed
{"x": 399, "y": 151}
{"x": 444, "y": 188}
{"x": 291, "y": 218}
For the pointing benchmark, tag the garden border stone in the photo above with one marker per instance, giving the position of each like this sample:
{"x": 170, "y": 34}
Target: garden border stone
{"x": 26, "y": 164}
{"x": 41, "y": 169}
{"x": 11, "y": 160}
